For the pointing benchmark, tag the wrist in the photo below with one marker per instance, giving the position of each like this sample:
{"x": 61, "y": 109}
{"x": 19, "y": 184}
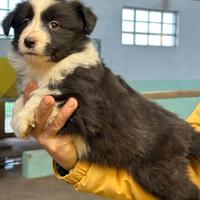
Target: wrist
{"x": 67, "y": 158}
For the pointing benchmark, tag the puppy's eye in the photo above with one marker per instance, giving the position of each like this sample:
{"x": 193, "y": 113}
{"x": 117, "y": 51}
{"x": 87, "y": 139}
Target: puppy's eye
{"x": 25, "y": 21}
{"x": 54, "y": 25}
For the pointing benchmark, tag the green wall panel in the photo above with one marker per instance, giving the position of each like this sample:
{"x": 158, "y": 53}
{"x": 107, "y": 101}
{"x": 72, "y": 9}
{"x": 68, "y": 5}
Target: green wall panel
{"x": 181, "y": 106}
{"x": 160, "y": 85}
{"x": 36, "y": 163}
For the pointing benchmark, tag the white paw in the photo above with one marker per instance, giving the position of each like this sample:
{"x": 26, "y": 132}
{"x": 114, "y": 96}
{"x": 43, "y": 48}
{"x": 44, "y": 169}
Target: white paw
{"x": 22, "y": 123}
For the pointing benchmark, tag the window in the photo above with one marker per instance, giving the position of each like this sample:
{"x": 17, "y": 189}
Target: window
{"x": 8, "y": 114}
{"x": 5, "y": 7}
{"x": 149, "y": 27}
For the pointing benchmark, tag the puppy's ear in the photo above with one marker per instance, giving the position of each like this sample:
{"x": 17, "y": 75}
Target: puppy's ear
{"x": 7, "y": 23}
{"x": 89, "y": 19}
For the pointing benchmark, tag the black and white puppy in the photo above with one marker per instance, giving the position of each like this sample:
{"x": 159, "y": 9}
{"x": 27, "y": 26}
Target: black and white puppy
{"x": 114, "y": 125}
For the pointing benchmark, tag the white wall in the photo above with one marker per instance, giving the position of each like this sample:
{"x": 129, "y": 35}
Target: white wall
{"x": 149, "y": 63}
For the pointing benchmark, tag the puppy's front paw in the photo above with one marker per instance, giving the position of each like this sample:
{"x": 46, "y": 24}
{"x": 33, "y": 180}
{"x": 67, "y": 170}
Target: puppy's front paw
{"x": 22, "y": 123}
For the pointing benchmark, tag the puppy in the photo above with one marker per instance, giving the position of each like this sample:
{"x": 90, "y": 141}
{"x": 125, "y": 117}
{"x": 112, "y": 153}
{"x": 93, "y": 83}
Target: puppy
{"x": 114, "y": 125}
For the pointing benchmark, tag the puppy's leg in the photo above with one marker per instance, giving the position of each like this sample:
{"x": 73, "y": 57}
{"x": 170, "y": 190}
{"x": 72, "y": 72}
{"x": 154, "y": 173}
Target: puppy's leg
{"x": 168, "y": 180}
{"x": 24, "y": 115}
{"x": 18, "y": 106}
{"x": 24, "y": 119}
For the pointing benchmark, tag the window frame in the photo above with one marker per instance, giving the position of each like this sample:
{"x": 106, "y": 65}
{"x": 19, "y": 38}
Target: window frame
{"x": 174, "y": 35}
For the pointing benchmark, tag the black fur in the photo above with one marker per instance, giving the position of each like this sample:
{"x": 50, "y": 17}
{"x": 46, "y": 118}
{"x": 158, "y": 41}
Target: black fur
{"x": 121, "y": 127}
{"x": 125, "y": 130}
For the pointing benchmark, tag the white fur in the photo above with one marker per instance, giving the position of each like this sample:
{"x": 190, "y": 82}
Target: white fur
{"x": 81, "y": 146}
{"x": 24, "y": 115}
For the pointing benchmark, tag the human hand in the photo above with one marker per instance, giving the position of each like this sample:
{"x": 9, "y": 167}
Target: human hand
{"x": 60, "y": 147}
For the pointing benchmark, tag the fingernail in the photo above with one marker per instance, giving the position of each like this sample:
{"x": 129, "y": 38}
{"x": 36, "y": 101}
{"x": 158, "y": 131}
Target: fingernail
{"x": 71, "y": 103}
{"x": 46, "y": 103}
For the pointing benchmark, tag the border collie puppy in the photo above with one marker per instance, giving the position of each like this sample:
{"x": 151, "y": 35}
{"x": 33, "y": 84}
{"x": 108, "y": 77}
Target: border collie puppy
{"x": 114, "y": 125}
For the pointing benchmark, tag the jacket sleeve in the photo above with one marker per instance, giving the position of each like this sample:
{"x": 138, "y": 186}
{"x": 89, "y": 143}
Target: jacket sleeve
{"x": 194, "y": 118}
{"x": 103, "y": 181}
{"x": 194, "y": 170}
{"x": 117, "y": 184}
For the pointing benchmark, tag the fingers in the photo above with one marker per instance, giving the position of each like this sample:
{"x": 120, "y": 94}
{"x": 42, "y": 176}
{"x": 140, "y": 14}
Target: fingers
{"x": 44, "y": 110}
{"x": 30, "y": 88}
{"x": 62, "y": 116}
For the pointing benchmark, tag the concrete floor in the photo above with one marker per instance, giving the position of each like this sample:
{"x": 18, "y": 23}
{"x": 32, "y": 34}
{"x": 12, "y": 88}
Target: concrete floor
{"x": 13, "y": 187}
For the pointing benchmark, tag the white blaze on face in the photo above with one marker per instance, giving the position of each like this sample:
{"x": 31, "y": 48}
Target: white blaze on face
{"x": 35, "y": 29}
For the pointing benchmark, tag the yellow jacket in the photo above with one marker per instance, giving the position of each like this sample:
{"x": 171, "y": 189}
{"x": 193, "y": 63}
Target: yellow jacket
{"x": 117, "y": 184}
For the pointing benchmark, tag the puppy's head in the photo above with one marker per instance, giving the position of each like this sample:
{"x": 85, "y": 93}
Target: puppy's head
{"x": 52, "y": 29}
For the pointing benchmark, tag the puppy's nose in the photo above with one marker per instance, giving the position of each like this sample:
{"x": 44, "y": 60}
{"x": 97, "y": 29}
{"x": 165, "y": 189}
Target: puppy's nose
{"x": 29, "y": 42}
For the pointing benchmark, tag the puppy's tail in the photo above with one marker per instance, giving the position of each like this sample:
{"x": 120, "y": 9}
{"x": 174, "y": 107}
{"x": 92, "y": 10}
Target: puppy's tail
{"x": 195, "y": 145}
